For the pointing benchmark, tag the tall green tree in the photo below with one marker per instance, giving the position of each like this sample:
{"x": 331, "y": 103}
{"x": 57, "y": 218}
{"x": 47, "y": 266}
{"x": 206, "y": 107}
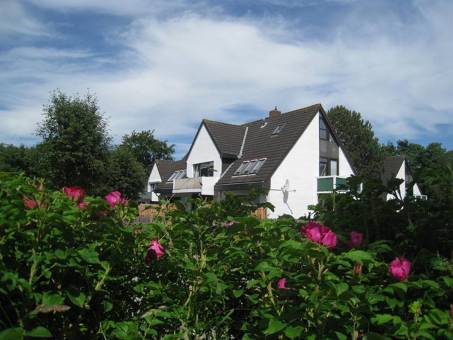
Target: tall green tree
{"x": 146, "y": 148}
{"x": 357, "y": 135}
{"x": 75, "y": 141}
{"x": 126, "y": 174}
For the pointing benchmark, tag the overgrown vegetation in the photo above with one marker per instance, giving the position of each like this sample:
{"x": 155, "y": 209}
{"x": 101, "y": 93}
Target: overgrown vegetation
{"x": 74, "y": 266}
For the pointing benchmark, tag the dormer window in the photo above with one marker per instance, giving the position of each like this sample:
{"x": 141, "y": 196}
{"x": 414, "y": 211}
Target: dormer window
{"x": 250, "y": 167}
{"x": 178, "y": 174}
{"x": 278, "y": 129}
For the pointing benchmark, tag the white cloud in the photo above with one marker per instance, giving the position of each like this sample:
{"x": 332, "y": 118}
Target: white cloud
{"x": 16, "y": 20}
{"x": 186, "y": 67}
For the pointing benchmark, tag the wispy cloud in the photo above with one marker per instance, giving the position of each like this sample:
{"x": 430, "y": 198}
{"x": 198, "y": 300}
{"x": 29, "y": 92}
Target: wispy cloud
{"x": 17, "y": 20}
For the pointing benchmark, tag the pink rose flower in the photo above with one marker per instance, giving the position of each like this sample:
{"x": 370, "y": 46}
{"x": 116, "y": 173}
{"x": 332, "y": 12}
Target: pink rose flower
{"x": 29, "y": 203}
{"x": 355, "y": 240}
{"x": 155, "y": 249}
{"x": 114, "y": 198}
{"x": 75, "y": 193}
{"x": 319, "y": 233}
{"x": 281, "y": 284}
{"x": 400, "y": 268}
{"x": 82, "y": 205}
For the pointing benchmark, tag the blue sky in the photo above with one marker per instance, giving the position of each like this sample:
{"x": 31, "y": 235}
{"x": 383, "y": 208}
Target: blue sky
{"x": 165, "y": 65}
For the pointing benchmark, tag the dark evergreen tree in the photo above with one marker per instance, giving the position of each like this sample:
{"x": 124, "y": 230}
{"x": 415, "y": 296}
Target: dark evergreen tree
{"x": 357, "y": 135}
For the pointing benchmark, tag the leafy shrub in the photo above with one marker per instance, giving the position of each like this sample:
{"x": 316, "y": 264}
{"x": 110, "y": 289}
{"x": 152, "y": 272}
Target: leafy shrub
{"x": 63, "y": 267}
{"x": 209, "y": 272}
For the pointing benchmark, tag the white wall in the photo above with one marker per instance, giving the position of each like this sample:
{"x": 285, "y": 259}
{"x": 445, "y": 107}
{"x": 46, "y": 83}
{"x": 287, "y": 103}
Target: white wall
{"x": 400, "y": 175}
{"x": 301, "y": 168}
{"x": 416, "y": 190}
{"x": 345, "y": 169}
{"x": 204, "y": 150}
{"x": 154, "y": 177}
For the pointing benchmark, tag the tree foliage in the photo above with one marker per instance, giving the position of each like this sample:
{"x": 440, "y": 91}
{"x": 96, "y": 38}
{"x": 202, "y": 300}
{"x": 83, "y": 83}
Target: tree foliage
{"x": 76, "y": 141}
{"x": 126, "y": 173}
{"x": 146, "y": 148}
{"x": 357, "y": 136}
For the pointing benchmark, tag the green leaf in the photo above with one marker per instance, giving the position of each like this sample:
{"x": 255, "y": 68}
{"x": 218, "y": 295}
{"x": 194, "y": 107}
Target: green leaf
{"x": 274, "y": 327}
{"x": 400, "y": 285}
{"x": 341, "y": 336}
{"x": 39, "y": 332}
{"x": 16, "y": 333}
{"x": 293, "y": 332}
{"x": 381, "y": 319}
{"x": 341, "y": 288}
{"x": 89, "y": 255}
{"x": 238, "y": 292}
{"x": 359, "y": 256}
{"x": 77, "y": 299}
{"x": 51, "y": 299}
{"x": 107, "y": 305}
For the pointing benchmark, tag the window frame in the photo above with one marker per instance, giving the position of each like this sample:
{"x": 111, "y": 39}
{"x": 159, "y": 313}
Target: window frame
{"x": 328, "y": 167}
{"x": 324, "y": 132}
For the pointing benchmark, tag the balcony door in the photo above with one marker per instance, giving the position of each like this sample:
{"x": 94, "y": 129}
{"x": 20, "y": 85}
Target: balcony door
{"x": 203, "y": 169}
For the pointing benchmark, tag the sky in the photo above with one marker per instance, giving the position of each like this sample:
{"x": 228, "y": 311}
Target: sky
{"x": 164, "y": 65}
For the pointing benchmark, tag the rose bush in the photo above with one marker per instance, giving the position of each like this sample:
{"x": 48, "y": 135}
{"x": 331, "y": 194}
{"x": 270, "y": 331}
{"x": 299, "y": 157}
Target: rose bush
{"x": 211, "y": 272}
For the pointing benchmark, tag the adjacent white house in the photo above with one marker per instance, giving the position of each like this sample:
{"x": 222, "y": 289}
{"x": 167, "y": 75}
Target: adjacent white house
{"x": 397, "y": 167}
{"x": 292, "y": 158}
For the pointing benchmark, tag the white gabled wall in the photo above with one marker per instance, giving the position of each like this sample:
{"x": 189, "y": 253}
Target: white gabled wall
{"x": 345, "y": 169}
{"x": 400, "y": 175}
{"x": 204, "y": 150}
{"x": 416, "y": 190}
{"x": 301, "y": 168}
{"x": 154, "y": 177}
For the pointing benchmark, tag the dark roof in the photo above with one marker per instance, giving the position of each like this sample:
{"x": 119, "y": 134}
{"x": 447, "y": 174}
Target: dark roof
{"x": 260, "y": 143}
{"x": 166, "y": 168}
{"x": 392, "y": 164}
{"x": 227, "y": 137}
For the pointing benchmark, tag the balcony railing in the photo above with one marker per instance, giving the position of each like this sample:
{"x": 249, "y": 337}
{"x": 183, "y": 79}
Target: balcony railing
{"x": 202, "y": 185}
{"x": 327, "y": 184}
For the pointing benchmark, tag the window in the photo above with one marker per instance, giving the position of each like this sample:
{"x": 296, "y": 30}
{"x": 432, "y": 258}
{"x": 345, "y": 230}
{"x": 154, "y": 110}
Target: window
{"x": 323, "y": 131}
{"x": 204, "y": 169}
{"x": 241, "y": 167}
{"x": 250, "y": 167}
{"x": 178, "y": 174}
{"x": 328, "y": 167}
{"x": 323, "y": 167}
{"x": 333, "y": 167}
{"x": 278, "y": 129}
{"x": 258, "y": 166}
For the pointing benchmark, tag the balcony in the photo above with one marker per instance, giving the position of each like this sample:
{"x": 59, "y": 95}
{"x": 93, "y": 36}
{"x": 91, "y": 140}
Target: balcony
{"x": 327, "y": 184}
{"x": 198, "y": 185}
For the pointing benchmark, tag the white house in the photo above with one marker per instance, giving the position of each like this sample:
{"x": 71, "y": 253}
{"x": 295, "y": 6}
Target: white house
{"x": 292, "y": 158}
{"x": 397, "y": 167}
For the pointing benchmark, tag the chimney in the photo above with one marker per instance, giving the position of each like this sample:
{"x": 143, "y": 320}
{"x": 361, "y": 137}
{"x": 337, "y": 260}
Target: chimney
{"x": 274, "y": 113}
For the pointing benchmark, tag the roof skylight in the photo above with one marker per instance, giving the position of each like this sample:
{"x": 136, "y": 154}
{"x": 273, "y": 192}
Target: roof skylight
{"x": 278, "y": 129}
{"x": 178, "y": 174}
{"x": 250, "y": 167}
